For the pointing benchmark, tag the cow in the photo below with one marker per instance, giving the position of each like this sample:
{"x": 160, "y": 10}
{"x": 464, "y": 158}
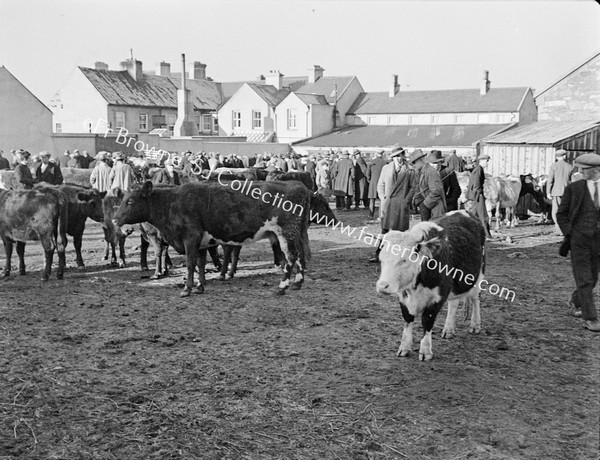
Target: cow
{"x": 463, "y": 182}
{"x": 532, "y": 188}
{"x": 76, "y": 176}
{"x": 195, "y": 216}
{"x": 434, "y": 262}
{"x": 502, "y": 192}
{"x": 82, "y": 203}
{"x": 114, "y": 236}
{"x": 301, "y": 176}
{"x": 8, "y": 180}
{"x": 37, "y": 214}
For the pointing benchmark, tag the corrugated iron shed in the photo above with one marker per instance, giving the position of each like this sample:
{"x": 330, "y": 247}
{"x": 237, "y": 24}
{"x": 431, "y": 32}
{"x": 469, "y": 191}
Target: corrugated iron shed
{"x": 441, "y": 101}
{"x": 542, "y": 132}
{"x": 409, "y": 135}
{"x": 119, "y": 88}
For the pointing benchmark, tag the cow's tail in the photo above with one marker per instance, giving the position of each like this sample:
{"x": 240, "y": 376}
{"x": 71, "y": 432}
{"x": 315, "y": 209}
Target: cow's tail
{"x": 304, "y": 243}
{"x": 63, "y": 216}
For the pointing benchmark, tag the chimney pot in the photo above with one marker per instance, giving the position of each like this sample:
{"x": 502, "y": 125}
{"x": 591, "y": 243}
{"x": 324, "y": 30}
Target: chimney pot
{"x": 99, "y": 65}
{"x": 485, "y": 84}
{"x": 274, "y": 78}
{"x": 134, "y": 67}
{"x": 164, "y": 69}
{"x": 199, "y": 70}
{"x": 395, "y": 86}
{"x": 314, "y": 73}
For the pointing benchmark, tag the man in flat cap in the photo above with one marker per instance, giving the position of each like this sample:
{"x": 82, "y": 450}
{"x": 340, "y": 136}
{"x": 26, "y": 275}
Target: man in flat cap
{"x": 343, "y": 181}
{"x": 48, "y": 171}
{"x": 121, "y": 175}
{"x": 373, "y": 174}
{"x": 559, "y": 177}
{"x": 99, "y": 178}
{"x": 579, "y": 219}
{"x": 430, "y": 198}
{"x": 360, "y": 179}
{"x": 476, "y": 195}
{"x": 23, "y": 177}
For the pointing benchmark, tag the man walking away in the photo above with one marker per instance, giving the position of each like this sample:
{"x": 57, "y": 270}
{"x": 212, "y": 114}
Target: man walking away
{"x": 475, "y": 193}
{"x": 559, "y": 177}
{"x": 373, "y": 174}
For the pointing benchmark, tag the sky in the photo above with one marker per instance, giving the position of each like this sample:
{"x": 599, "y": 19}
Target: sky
{"x": 428, "y": 44}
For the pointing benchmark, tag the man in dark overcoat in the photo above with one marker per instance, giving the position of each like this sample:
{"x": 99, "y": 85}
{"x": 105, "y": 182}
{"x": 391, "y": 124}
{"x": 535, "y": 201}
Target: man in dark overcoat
{"x": 311, "y": 168}
{"x": 343, "y": 181}
{"x": 449, "y": 182}
{"x": 373, "y": 173}
{"x": 454, "y": 162}
{"x": 48, "y": 171}
{"x": 579, "y": 219}
{"x": 430, "y": 198}
{"x": 476, "y": 195}
{"x": 360, "y": 179}
{"x": 559, "y": 176}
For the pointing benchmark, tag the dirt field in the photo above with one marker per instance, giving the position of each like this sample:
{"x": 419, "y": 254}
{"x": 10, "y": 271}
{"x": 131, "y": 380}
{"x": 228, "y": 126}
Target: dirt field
{"x": 110, "y": 365}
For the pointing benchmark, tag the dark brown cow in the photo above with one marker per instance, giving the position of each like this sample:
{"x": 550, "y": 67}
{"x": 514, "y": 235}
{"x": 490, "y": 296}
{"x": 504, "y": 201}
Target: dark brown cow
{"x": 82, "y": 203}
{"x": 113, "y": 235}
{"x": 301, "y": 176}
{"x": 38, "y": 214}
{"x": 195, "y": 216}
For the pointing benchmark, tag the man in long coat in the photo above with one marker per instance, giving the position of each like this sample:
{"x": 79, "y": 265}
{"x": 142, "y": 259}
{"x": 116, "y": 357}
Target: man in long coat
{"x": 430, "y": 199}
{"x": 455, "y": 162}
{"x": 559, "y": 177}
{"x": 99, "y": 179}
{"x": 121, "y": 176}
{"x": 343, "y": 181}
{"x": 360, "y": 179}
{"x": 475, "y": 193}
{"x": 450, "y": 183}
{"x": 579, "y": 219}
{"x": 373, "y": 173}
{"x": 48, "y": 171}
{"x": 311, "y": 168}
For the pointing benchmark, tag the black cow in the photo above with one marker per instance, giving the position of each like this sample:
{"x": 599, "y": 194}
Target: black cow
{"x": 195, "y": 216}
{"x": 301, "y": 176}
{"x": 82, "y": 203}
{"x": 442, "y": 259}
{"x": 37, "y": 214}
{"x": 530, "y": 186}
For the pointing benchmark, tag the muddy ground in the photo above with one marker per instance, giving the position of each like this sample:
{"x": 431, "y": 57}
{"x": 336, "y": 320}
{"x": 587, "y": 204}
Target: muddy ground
{"x": 108, "y": 364}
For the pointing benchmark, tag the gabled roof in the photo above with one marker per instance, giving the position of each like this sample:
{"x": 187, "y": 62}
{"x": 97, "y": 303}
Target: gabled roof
{"x": 4, "y": 69}
{"x": 543, "y": 132}
{"x": 312, "y": 99}
{"x": 292, "y": 83}
{"x": 269, "y": 94}
{"x": 119, "y": 88}
{"x": 421, "y": 136}
{"x": 326, "y": 86}
{"x": 440, "y": 101}
{"x": 596, "y": 55}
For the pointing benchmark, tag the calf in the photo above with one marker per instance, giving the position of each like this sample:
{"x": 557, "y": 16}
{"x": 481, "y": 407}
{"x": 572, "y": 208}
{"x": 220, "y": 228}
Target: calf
{"x": 38, "y": 214}
{"x": 442, "y": 259}
{"x": 82, "y": 203}
{"x": 195, "y": 216}
{"x": 502, "y": 192}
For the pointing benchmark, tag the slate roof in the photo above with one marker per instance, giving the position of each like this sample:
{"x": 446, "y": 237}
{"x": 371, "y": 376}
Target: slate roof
{"x": 543, "y": 132}
{"x": 421, "y": 136}
{"x": 269, "y": 93}
{"x": 119, "y": 88}
{"x": 315, "y": 99}
{"x": 440, "y": 101}
{"x": 326, "y": 87}
{"x": 292, "y": 83}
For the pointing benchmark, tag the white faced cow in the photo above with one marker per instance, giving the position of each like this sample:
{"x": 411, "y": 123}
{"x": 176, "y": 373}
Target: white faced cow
{"x": 434, "y": 262}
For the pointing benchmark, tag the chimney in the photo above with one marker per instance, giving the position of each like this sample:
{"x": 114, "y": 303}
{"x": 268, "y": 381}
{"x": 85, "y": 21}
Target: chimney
{"x": 274, "y": 78}
{"x": 314, "y": 73}
{"x": 184, "y": 126}
{"x": 134, "y": 67}
{"x": 163, "y": 69}
{"x": 260, "y": 78}
{"x": 395, "y": 86}
{"x": 485, "y": 84}
{"x": 199, "y": 71}
{"x": 99, "y": 65}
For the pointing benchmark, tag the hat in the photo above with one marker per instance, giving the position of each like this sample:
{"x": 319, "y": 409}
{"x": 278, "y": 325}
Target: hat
{"x": 101, "y": 155}
{"x": 483, "y": 157}
{"x": 23, "y": 154}
{"x": 396, "y": 150}
{"x": 118, "y": 155}
{"x": 588, "y": 160}
{"x": 45, "y": 154}
{"x": 435, "y": 156}
{"x": 416, "y": 154}
{"x": 560, "y": 152}
{"x": 76, "y": 151}
{"x": 355, "y": 152}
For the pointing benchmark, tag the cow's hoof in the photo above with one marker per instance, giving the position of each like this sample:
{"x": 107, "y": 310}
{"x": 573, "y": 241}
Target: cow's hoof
{"x": 425, "y": 356}
{"x": 22, "y": 272}
{"x": 5, "y": 276}
{"x": 221, "y": 277}
{"x": 296, "y": 286}
{"x": 60, "y": 276}
{"x": 44, "y": 278}
{"x": 474, "y": 330}
{"x": 185, "y": 293}
{"x": 144, "y": 268}
{"x": 447, "y": 333}
{"x": 121, "y": 264}
{"x": 403, "y": 353}
{"x": 280, "y": 292}
{"x": 154, "y": 277}
{"x": 81, "y": 267}
{"x": 199, "y": 289}
{"x": 105, "y": 258}
{"x": 230, "y": 276}
{"x": 113, "y": 263}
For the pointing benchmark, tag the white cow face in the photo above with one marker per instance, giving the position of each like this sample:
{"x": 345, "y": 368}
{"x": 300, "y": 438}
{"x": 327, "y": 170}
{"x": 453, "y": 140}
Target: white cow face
{"x": 402, "y": 259}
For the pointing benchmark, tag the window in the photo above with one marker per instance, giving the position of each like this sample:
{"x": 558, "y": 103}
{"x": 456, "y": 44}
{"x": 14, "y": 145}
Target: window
{"x": 371, "y": 120}
{"x": 207, "y": 123}
{"x": 215, "y": 125}
{"x": 58, "y": 128}
{"x": 413, "y": 120}
{"x": 504, "y": 118}
{"x": 483, "y": 118}
{"x": 236, "y": 119}
{"x": 292, "y": 118}
{"x": 143, "y": 122}
{"x": 435, "y": 119}
{"x": 392, "y": 120}
{"x": 171, "y": 120}
{"x": 256, "y": 119}
{"x": 458, "y": 119}
{"x": 197, "y": 121}
{"x": 119, "y": 119}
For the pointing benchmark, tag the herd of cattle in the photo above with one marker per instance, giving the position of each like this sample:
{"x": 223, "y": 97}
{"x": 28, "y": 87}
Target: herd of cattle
{"x": 197, "y": 217}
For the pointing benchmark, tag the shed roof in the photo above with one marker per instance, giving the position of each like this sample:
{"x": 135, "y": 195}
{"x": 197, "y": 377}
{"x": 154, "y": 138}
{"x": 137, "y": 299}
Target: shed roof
{"x": 542, "y": 132}
{"x": 407, "y": 135}
{"x": 326, "y": 86}
{"x": 119, "y": 88}
{"x": 441, "y": 101}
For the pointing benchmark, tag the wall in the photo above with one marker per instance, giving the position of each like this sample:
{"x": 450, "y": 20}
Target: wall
{"x": 24, "y": 121}
{"x": 444, "y": 118}
{"x": 508, "y": 159}
{"x": 78, "y": 103}
{"x": 575, "y": 96}
{"x": 528, "y": 112}
{"x": 93, "y": 143}
{"x": 303, "y": 121}
{"x": 346, "y": 99}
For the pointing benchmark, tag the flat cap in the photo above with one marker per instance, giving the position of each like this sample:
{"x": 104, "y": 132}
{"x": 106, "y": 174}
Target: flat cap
{"x": 45, "y": 154}
{"x": 560, "y": 152}
{"x": 588, "y": 160}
